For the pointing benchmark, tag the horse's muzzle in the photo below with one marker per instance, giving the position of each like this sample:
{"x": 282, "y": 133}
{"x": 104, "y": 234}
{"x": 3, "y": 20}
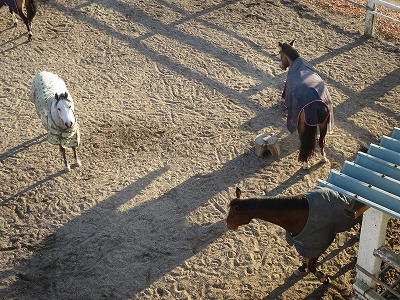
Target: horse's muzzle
{"x": 231, "y": 226}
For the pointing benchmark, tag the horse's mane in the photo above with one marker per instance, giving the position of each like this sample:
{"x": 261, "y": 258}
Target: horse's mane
{"x": 290, "y": 51}
{"x": 61, "y": 96}
{"x": 271, "y": 203}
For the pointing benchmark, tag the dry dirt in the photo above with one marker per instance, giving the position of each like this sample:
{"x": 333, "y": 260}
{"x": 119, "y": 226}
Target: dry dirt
{"x": 169, "y": 96}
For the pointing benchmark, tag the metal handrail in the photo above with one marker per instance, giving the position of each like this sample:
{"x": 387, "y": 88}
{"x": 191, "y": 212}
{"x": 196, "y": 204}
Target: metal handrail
{"x": 387, "y": 287}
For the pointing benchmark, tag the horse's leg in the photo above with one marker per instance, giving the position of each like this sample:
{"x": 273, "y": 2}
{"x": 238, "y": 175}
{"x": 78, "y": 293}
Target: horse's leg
{"x": 77, "y": 161}
{"x": 26, "y": 22}
{"x": 31, "y": 12}
{"x": 302, "y": 270}
{"x": 67, "y": 167}
{"x": 13, "y": 16}
{"x": 24, "y": 18}
{"x": 312, "y": 267}
{"x": 15, "y": 20}
{"x": 322, "y": 133}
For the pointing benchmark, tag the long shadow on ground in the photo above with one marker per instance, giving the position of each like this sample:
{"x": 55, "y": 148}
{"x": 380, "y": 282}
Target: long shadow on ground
{"x": 124, "y": 251}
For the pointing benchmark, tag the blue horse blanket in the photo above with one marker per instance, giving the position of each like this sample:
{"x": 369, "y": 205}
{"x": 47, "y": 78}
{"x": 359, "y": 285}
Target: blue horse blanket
{"x": 11, "y": 4}
{"x": 304, "y": 89}
{"x": 325, "y": 218}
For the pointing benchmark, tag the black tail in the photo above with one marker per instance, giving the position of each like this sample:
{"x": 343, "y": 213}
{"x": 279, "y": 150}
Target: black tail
{"x": 307, "y": 142}
{"x": 30, "y": 9}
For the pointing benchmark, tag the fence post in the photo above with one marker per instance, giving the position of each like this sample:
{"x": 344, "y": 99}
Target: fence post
{"x": 373, "y": 234}
{"x": 370, "y": 19}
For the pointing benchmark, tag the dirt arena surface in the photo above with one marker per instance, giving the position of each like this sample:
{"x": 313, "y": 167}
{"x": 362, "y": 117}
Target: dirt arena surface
{"x": 170, "y": 96}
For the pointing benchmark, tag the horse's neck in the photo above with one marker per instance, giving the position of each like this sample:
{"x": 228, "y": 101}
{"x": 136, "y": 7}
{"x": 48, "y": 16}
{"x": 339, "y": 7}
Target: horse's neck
{"x": 290, "y": 62}
{"x": 292, "y": 220}
{"x": 56, "y": 116}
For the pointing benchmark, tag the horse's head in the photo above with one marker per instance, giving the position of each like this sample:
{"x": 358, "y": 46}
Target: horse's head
{"x": 287, "y": 54}
{"x": 65, "y": 111}
{"x": 237, "y": 216}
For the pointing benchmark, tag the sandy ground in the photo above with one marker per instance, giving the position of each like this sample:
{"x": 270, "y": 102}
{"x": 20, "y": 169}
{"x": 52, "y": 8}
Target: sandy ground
{"x": 169, "y": 96}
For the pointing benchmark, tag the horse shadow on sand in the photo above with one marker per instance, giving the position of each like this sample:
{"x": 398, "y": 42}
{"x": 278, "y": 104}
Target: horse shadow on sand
{"x": 120, "y": 251}
{"x": 123, "y": 252}
{"x": 112, "y": 253}
{"x": 115, "y": 253}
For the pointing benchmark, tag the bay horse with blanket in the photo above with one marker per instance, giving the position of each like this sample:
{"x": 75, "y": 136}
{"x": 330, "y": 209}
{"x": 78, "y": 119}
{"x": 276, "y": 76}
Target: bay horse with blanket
{"x": 311, "y": 221}
{"x": 17, "y": 7}
{"x": 307, "y": 101}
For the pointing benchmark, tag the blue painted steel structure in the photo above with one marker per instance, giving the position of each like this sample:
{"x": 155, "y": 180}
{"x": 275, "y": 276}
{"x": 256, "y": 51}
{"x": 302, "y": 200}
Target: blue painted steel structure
{"x": 374, "y": 177}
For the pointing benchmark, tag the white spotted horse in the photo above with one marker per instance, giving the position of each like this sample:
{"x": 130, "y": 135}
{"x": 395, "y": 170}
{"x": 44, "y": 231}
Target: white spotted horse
{"x": 55, "y": 107}
{"x": 311, "y": 221}
{"x": 17, "y": 7}
{"x": 307, "y": 101}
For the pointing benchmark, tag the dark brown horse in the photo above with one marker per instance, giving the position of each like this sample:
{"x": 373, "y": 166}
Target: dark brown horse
{"x": 17, "y": 7}
{"x": 311, "y": 221}
{"x": 307, "y": 101}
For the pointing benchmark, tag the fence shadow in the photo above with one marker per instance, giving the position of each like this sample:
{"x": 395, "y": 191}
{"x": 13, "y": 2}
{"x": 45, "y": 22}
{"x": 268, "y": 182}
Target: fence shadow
{"x": 3, "y": 51}
{"x": 123, "y": 244}
{"x": 127, "y": 250}
{"x": 22, "y": 147}
{"x": 32, "y": 187}
{"x": 263, "y": 115}
{"x": 317, "y": 293}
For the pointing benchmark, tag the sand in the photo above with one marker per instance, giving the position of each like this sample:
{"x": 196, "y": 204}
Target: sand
{"x": 170, "y": 96}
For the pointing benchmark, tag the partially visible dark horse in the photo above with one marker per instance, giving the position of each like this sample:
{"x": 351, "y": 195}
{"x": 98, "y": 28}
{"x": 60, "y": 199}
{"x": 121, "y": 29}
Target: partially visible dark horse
{"x": 308, "y": 103}
{"x": 311, "y": 221}
{"x": 17, "y": 7}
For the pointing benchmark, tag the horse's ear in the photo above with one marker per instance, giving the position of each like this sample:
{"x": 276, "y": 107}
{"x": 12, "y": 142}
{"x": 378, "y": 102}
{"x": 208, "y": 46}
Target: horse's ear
{"x": 66, "y": 95}
{"x": 292, "y": 43}
{"x": 280, "y": 44}
{"x": 238, "y": 193}
{"x": 56, "y": 96}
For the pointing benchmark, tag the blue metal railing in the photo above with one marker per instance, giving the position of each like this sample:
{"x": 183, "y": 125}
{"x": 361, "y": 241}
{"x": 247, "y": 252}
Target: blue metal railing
{"x": 374, "y": 177}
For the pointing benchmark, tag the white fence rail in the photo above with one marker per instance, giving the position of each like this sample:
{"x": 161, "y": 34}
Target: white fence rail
{"x": 372, "y": 13}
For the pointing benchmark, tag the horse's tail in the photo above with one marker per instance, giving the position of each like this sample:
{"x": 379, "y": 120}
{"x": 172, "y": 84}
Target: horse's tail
{"x": 31, "y": 9}
{"x": 307, "y": 142}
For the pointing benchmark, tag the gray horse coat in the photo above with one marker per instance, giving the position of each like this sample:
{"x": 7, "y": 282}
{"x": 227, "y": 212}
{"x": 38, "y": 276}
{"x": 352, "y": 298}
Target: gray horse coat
{"x": 325, "y": 218}
{"x": 304, "y": 89}
{"x": 44, "y": 87}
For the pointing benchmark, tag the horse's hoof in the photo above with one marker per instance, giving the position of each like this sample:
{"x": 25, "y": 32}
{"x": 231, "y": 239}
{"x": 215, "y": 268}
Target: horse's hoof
{"x": 78, "y": 163}
{"x": 67, "y": 168}
{"x": 306, "y": 166}
{"x": 326, "y": 281}
{"x": 324, "y": 159}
